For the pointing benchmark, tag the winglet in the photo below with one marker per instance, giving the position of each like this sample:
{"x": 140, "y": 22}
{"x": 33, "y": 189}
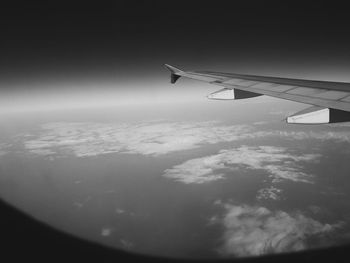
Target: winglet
{"x": 174, "y": 76}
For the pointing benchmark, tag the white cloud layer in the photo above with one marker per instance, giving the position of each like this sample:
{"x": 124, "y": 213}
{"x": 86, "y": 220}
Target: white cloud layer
{"x": 149, "y": 138}
{"x": 251, "y": 231}
{"x": 277, "y": 162}
{"x": 340, "y": 136}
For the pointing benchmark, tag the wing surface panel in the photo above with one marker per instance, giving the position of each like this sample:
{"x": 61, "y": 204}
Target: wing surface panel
{"x": 326, "y": 94}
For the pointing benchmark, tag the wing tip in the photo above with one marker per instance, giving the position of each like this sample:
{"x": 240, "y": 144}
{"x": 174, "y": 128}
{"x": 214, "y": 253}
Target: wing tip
{"x": 172, "y": 68}
{"x": 174, "y": 73}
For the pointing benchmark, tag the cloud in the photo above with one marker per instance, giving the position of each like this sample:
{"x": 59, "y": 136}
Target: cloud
{"x": 40, "y": 151}
{"x": 340, "y": 136}
{"x": 154, "y": 138}
{"x": 277, "y": 162}
{"x": 106, "y": 231}
{"x": 4, "y": 148}
{"x": 78, "y": 205}
{"x": 269, "y": 193}
{"x": 119, "y": 211}
{"x": 126, "y": 244}
{"x": 149, "y": 138}
{"x": 199, "y": 170}
{"x": 260, "y": 123}
{"x": 251, "y": 231}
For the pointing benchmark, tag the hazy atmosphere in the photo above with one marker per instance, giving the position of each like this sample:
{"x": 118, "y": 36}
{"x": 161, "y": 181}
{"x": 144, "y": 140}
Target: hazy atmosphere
{"x": 96, "y": 142}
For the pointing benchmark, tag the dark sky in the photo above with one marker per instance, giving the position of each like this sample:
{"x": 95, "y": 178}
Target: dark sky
{"x": 128, "y": 41}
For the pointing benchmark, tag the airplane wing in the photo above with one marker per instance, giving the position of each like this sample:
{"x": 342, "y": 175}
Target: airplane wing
{"x": 330, "y": 100}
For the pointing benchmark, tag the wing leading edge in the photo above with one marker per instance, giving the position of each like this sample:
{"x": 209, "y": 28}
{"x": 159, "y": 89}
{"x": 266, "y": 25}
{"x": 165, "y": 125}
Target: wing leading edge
{"x": 332, "y": 99}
